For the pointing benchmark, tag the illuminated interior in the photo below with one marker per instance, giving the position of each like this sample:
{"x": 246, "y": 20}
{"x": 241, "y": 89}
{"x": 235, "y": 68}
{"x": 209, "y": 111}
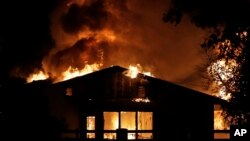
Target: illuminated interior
{"x": 90, "y": 127}
{"x": 128, "y": 120}
{"x": 221, "y": 127}
{"x": 145, "y": 120}
{"x": 139, "y": 124}
{"x": 111, "y": 120}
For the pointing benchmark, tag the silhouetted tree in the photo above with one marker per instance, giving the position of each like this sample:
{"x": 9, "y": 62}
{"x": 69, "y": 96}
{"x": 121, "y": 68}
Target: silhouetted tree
{"x": 228, "y": 46}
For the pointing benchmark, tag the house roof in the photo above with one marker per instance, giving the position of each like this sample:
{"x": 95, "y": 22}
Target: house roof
{"x": 186, "y": 92}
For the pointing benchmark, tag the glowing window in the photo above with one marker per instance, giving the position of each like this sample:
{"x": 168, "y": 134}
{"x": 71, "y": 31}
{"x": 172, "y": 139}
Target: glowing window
{"x": 110, "y": 136}
{"x": 111, "y": 120}
{"x": 145, "y": 120}
{"x": 128, "y": 120}
{"x": 139, "y": 124}
{"x": 219, "y": 121}
{"x": 90, "y": 127}
{"x": 220, "y": 124}
{"x": 145, "y": 136}
{"x": 131, "y": 136}
{"x": 91, "y": 123}
{"x": 69, "y": 92}
{"x": 90, "y": 135}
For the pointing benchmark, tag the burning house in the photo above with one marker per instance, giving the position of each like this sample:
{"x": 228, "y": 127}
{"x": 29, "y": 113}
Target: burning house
{"x": 115, "y": 104}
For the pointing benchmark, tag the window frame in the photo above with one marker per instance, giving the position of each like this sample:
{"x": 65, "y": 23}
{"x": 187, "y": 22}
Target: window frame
{"x": 136, "y": 131}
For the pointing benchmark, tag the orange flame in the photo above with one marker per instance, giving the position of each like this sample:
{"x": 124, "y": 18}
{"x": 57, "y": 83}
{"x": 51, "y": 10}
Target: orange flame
{"x": 219, "y": 121}
{"x": 75, "y": 72}
{"x": 68, "y": 74}
{"x": 133, "y": 71}
{"x": 222, "y": 71}
{"x": 71, "y": 72}
{"x": 37, "y": 76}
{"x": 104, "y": 35}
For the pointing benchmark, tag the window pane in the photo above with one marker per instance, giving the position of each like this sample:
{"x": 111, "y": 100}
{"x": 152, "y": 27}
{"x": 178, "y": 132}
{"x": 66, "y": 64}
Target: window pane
{"x": 128, "y": 120}
{"x": 91, "y": 123}
{"x": 90, "y": 135}
{"x": 131, "y": 136}
{"x": 145, "y": 120}
{"x": 109, "y": 135}
{"x": 111, "y": 120}
{"x": 69, "y": 135}
{"x": 219, "y": 121}
{"x": 221, "y": 136}
{"x": 145, "y": 136}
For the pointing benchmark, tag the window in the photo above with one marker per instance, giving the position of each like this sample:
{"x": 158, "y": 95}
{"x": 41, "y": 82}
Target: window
{"x": 139, "y": 124}
{"x": 141, "y": 92}
{"x": 90, "y": 127}
{"x": 128, "y": 120}
{"x": 221, "y": 127}
{"x": 111, "y": 122}
{"x": 69, "y": 92}
{"x": 145, "y": 120}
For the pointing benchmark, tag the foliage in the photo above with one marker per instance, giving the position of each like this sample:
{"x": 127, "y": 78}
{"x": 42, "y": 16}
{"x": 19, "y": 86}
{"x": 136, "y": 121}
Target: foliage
{"x": 228, "y": 47}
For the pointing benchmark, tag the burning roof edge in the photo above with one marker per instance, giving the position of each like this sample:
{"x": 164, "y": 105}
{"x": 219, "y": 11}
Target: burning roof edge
{"x": 111, "y": 69}
{"x": 119, "y": 69}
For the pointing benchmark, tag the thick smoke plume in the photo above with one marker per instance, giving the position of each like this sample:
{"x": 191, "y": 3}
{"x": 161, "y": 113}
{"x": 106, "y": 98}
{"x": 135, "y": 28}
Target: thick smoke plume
{"x": 123, "y": 32}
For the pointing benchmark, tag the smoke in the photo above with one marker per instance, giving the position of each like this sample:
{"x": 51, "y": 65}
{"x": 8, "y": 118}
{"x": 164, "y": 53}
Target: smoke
{"x": 121, "y": 33}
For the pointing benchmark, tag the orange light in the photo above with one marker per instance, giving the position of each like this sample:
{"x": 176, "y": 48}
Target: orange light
{"x": 75, "y": 72}
{"x": 133, "y": 71}
{"x": 37, "y": 76}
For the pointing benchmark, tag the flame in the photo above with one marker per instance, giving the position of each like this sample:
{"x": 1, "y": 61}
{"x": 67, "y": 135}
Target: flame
{"x": 222, "y": 71}
{"x": 75, "y": 72}
{"x": 72, "y": 72}
{"x": 104, "y": 35}
{"x": 145, "y": 100}
{"x": 37, "y": 76}
{"x": 224, "y": 75}
{"x": 219, "y": 122}
{"x": 68, "y": 74}
{"x": 133, "y": 71}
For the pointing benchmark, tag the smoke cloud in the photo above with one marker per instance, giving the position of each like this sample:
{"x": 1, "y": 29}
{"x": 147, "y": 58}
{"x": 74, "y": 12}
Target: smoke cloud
{"x": 109, "y": 32}
{"x": 122, "y": 33}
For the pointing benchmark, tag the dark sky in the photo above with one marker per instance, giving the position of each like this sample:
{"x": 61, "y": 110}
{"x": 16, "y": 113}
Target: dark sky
{"x": 25, "y": 33}
{"x": 45, "y": 34}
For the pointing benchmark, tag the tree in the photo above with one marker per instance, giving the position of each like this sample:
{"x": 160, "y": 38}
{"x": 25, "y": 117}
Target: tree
{"x": 228, "y": 47}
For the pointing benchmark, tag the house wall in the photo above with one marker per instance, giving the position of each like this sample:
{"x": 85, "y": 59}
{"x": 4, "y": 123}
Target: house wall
{"x": 178, "y": 114}
{"x": 63, "y": 108}
{"x": 186, "y": 121}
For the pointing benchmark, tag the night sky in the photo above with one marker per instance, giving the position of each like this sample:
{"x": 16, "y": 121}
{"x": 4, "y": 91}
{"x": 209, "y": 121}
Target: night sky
{"x": 25, "y": 34}
{"x": 51, "y": 35}
{"x": 42, "y": 34}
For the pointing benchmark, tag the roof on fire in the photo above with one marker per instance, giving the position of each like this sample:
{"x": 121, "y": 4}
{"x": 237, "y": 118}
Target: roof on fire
{"x": 153, "y": 80}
